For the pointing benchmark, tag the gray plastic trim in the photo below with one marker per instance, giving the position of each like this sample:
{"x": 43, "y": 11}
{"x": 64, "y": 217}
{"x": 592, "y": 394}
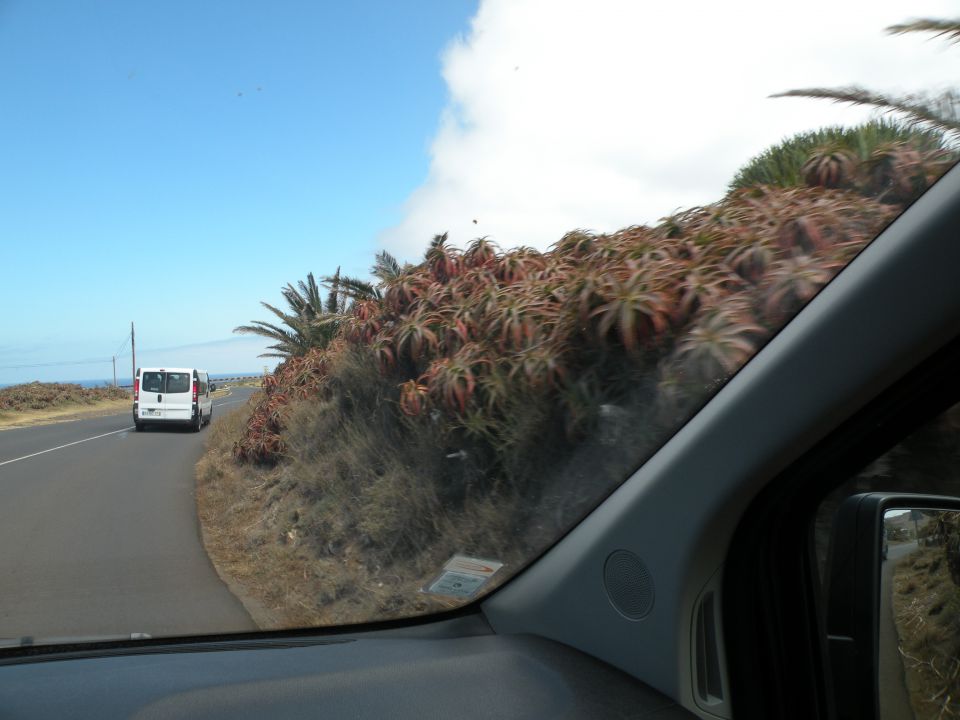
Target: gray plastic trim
{"x": 476, "y": 677}
{"x": 893, "y": 306}
{"x": 713, "y": 706}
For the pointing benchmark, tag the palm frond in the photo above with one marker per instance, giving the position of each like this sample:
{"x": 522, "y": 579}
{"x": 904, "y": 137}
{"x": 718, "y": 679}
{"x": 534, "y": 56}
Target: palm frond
{"x": 285, "y": 318}
{"x": 330, "y": 320}
{"x": 298, "y": 304}
{"x": 940, "y": 112}
{"x": 299, "y": 330}
{"x": 264, "y": 329}
{"x": 438, "y": 241}
{"x": 385, "y": 267}
{"x": 948, "y": 29}
{"x": 310, "y": 293}
{"x": 332, "y": 283}
{"x": 357, "y": 289}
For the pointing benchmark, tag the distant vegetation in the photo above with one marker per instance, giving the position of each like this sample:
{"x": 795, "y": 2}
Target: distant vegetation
{"x": 856, "y": 158}
{"x": 43, "y": 396}
{"x": 482, "y": 400}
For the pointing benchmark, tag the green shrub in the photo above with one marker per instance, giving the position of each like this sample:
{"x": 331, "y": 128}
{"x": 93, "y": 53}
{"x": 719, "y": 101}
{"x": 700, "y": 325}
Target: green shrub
{"x": 782, "y": 164}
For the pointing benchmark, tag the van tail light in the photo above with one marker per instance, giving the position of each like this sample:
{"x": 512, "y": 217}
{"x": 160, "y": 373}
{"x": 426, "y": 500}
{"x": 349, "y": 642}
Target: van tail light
{"x": 194, "y": 390}
{"x": 136, "y": 389}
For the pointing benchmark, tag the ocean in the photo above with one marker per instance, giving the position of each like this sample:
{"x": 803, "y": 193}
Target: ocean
{"x": 127, "y": 382}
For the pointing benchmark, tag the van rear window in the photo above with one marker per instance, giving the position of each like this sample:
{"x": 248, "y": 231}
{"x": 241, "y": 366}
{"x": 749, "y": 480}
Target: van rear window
{"x": 162, "y": 382}
{"x": 178, "y": 382}
{"x": 152, "y": 382}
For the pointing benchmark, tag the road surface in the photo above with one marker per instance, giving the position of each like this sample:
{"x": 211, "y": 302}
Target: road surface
{"x": 99, "y": 533}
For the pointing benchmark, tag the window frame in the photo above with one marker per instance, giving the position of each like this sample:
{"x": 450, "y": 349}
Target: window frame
{"x": 775, "y": 604}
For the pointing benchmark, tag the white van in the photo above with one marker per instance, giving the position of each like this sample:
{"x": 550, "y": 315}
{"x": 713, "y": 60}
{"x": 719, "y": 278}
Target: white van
{"x": 172, "y": 396}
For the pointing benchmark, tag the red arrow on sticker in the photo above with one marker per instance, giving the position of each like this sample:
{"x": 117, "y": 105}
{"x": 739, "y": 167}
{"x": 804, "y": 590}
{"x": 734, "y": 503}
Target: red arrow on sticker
{"x": 477, "y": 567}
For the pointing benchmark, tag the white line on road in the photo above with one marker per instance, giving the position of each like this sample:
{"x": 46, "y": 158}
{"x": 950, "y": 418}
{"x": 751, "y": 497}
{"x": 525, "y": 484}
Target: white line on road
{"x": 60, "y": 447}
{"x": 228, "y": 403}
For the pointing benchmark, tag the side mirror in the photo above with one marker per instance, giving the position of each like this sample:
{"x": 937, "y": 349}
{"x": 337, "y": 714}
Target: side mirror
{"x": 213, "y": 387}
{"x": 893, "y": 606}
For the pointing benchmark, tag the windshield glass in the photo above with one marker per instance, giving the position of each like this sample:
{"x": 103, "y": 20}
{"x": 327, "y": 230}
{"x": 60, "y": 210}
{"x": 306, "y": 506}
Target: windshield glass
{"x": 457, "y": 270}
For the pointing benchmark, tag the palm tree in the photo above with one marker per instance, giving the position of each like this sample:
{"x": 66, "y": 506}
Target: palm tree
{"x": 938, "y": 112}
{"x": 347, "y": 290}
{"x": 300, "y": 329}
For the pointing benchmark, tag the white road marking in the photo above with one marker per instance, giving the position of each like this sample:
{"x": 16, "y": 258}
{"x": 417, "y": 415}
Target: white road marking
{"x": 95, "y": 437}
{"x": 61, "y": 447}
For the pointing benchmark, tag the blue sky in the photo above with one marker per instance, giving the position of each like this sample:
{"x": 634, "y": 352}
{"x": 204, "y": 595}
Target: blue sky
{"x": 248, "y": 142}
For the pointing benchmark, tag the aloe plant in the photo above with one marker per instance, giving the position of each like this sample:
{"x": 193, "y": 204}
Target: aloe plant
{"x": 467, "y": 340}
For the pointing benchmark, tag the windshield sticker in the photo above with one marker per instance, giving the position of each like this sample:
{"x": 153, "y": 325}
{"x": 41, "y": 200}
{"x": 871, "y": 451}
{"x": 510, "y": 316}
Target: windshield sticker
{"x": 462, "y": 576}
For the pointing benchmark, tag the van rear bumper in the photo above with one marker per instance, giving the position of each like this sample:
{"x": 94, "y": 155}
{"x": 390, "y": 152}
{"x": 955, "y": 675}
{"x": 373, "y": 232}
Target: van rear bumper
{"x": 174, "y": 417}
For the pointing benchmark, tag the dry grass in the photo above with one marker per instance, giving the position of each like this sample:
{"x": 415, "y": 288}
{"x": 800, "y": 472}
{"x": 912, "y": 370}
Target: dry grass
{"x": 363, "y": 511}
{"x": 44, "y": 396}
{"x": 254, "y": 382}
{"x": 926, "y": 607}
{"x": 12, "y": 419}
{"x": 251, "y": 533}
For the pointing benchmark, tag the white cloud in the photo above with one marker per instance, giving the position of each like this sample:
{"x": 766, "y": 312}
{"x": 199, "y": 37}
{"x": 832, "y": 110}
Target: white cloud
{"x": 609, "y": 113}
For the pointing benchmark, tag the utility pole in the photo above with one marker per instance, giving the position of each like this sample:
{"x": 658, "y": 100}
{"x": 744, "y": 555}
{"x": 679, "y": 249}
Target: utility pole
{"x": 114, "y": 370}
{"x": 133, "y": 353}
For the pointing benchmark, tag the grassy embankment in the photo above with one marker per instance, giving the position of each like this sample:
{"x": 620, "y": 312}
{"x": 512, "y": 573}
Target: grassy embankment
{"x": 39, "y": 403}
{"x": 926, "y": 607}
{"x": 299, "y": 556}
{"x": 492, "y": 398}
{"x": 482, "y": 401}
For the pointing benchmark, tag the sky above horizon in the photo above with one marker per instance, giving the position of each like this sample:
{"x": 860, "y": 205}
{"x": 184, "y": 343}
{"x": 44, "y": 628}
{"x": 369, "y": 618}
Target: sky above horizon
{"x": 176, "y": 163}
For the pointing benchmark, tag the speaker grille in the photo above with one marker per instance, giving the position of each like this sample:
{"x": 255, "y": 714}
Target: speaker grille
{"x": 629, "y": 585}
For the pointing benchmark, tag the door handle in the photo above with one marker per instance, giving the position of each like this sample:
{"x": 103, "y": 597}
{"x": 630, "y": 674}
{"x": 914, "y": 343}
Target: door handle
{"x": 159, "y": 398}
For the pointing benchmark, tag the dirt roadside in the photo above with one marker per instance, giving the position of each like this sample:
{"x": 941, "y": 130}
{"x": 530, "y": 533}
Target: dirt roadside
{"x": 30, "y": 418}
{"x": 12, "y": 420}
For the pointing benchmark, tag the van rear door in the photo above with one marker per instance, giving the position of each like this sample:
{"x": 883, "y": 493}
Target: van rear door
{"x": 178, "y": 400}
{"x": 151, "y": 394}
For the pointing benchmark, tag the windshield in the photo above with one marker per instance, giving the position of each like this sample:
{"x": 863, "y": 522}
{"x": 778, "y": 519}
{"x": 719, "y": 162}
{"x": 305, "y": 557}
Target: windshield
{"x": 457, "y": 270}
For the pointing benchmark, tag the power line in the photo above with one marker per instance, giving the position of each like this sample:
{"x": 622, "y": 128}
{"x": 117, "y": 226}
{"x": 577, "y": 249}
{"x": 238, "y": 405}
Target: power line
{"x": 91, "y": 361}
{"x": 122, "y": 351}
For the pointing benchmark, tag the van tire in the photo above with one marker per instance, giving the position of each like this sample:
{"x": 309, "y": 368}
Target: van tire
{"x": 209, "y": 416}
{"x": 198, "y": 422}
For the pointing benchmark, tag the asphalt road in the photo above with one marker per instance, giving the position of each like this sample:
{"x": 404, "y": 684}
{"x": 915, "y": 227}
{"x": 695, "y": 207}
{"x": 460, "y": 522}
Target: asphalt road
{"x": 99, "y": 533}
{"x": 894, "y": 699}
